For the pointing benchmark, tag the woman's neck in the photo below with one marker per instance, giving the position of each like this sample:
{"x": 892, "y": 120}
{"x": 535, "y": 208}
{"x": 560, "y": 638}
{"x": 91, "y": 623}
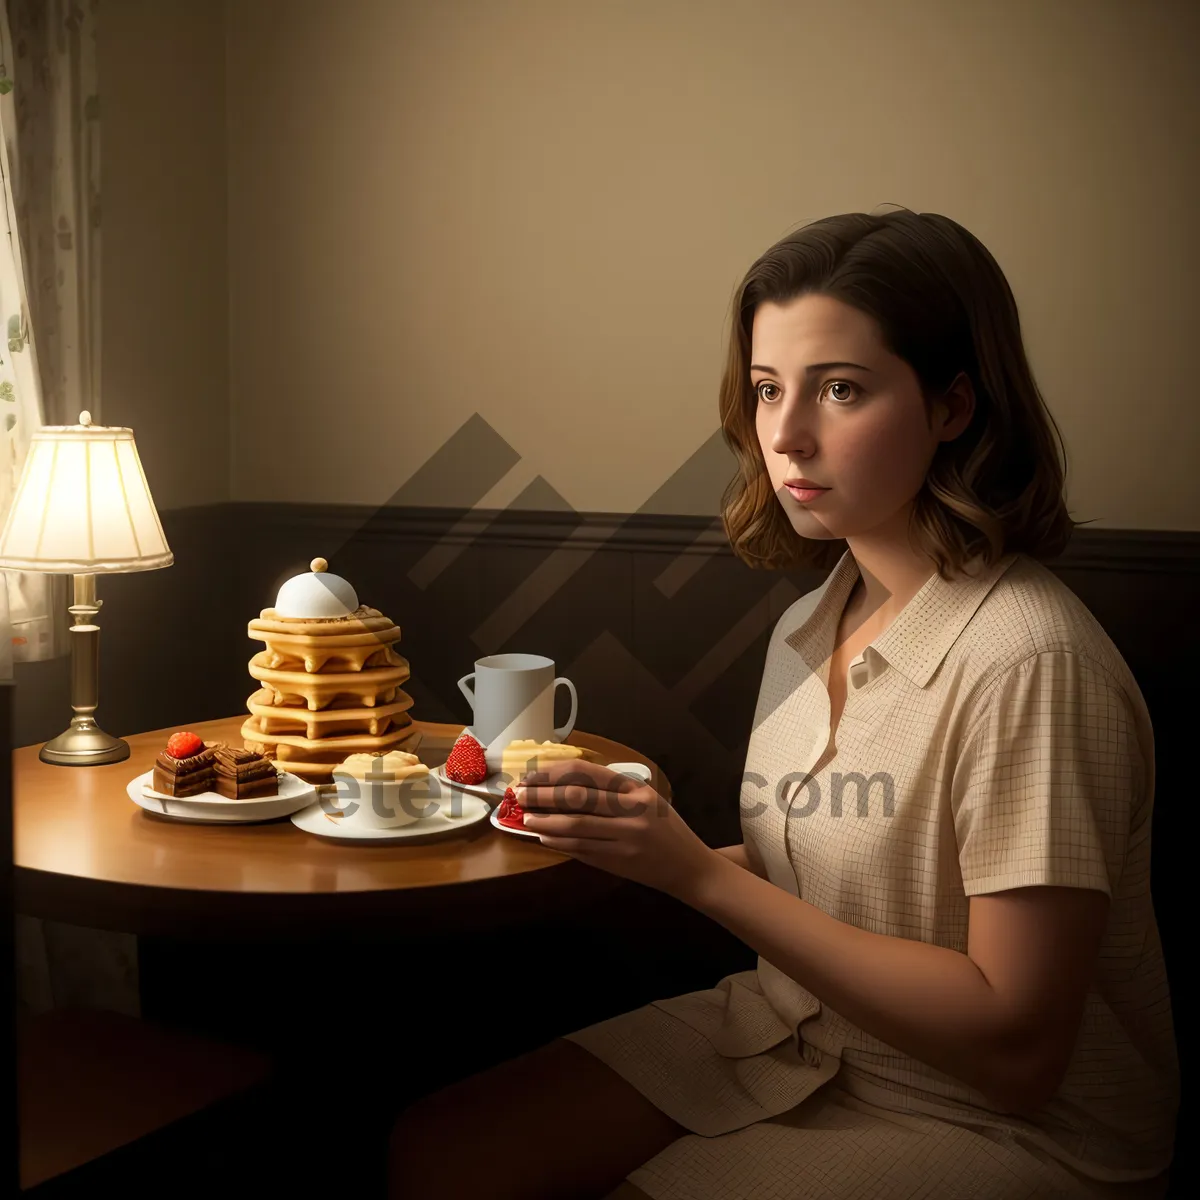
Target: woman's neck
{"x": 890, "y": 575}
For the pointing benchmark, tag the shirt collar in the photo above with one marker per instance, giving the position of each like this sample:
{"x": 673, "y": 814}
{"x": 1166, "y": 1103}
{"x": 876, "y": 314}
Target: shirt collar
{"x": 918, "y": 640}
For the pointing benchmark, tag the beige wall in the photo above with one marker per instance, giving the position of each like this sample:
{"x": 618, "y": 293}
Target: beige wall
{"x": 538, "y": 210}
{"x": 165, "y": 289}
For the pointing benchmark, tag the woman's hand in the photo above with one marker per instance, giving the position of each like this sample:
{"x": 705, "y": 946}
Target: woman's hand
{"x": 613, "y": 822}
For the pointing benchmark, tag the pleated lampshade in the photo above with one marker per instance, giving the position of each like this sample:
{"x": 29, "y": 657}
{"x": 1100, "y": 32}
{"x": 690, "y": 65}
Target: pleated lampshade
{"x": 83, "y": 506}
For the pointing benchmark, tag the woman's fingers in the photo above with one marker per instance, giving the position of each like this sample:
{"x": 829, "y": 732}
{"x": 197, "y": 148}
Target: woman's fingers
{"x": 579, "y": 800}
{"x": 578, "y": 774}
{"x": 564, "y": 825}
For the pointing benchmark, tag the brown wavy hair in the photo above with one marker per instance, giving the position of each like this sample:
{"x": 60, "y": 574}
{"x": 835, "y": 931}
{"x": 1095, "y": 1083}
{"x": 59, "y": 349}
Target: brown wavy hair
{"x": 944, "y": 307}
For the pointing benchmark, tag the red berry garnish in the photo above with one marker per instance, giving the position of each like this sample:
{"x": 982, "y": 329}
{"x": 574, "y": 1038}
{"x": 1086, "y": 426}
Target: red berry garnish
{"x": 467, "y": 762}
{"x": 184, "y": 745}
{"x": 510, "y": 812}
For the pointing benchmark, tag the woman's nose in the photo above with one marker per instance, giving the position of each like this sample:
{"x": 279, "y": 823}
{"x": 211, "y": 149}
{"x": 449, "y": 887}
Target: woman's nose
{"x": 796, "y": 430}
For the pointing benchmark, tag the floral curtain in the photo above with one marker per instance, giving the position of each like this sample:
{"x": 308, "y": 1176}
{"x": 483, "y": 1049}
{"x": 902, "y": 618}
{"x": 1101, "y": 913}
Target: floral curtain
{"x": 49, "y": 287}
{"x": 25, "y": 597}
{"x": 56, "y": 172}
{"x": 49, "y": 271}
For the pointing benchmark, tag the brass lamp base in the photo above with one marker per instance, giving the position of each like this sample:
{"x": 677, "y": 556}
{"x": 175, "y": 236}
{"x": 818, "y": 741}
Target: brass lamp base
{"x": 85, "y": 744}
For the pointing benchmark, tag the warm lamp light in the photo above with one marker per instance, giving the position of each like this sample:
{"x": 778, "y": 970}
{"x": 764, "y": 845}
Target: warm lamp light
{"x": 82, "y": 507}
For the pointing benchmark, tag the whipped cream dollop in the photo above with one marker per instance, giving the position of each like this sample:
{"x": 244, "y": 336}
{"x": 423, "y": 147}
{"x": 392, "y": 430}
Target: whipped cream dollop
{"x": 316, "y": 594}
{"x": 394, "y": 765}
{"x": 385, "y": 790}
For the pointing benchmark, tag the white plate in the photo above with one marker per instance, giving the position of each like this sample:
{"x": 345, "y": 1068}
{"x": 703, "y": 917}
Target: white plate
{"x": 637, "y": 770}
{"x": 455, "y": 811}
{"x": 495, "y": 821}
{"x": 211, "y": 808}
{"x": 494, "y": 786}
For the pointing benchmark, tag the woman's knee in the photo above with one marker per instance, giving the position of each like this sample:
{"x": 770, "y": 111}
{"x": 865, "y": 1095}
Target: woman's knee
{"x": 485, "y": 1095}
{"x": 590, "y": 1126}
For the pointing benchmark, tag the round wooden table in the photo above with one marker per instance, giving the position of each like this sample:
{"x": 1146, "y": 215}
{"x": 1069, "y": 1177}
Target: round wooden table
{"x": 86, "y": 854}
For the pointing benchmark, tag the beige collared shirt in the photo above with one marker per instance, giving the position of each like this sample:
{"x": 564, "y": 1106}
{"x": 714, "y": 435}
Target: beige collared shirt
{"x": 992, "y": 738}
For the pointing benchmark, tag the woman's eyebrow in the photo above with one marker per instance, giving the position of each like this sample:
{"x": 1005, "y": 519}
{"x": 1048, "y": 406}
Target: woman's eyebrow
{"x": 809, "y": 370}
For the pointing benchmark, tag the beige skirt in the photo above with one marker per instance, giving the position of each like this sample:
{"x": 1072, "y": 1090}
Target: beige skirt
{"x": 830, "y": 1146}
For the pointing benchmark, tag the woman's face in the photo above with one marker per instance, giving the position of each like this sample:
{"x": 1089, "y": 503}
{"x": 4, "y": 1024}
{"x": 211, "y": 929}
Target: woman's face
{"x": 835, "y": 407}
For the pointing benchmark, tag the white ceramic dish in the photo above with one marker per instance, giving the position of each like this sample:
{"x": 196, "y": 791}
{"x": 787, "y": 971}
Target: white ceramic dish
{"x": 211, "y": 808}
{"x": 637, "y": 770}
{"x": 456, "y": 811}
{"x": 494, "y": 787}
{"x": 495, "y": 822}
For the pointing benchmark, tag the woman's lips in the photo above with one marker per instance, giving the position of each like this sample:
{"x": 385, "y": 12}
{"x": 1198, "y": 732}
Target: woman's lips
{"x": 804, "y": 494}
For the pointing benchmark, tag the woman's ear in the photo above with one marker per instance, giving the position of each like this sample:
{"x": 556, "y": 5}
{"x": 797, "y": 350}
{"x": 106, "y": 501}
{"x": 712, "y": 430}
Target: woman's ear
{"x": 953, "y": 412}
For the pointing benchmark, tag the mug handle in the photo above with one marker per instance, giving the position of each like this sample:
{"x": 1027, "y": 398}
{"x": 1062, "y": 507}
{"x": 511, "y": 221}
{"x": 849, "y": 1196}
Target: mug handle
{"x": 469, "y": 692}
{"x": 635, "y": 770}
{"x": 561, "y": 735}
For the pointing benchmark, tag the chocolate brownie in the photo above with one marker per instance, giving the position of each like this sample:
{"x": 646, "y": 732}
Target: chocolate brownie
{"x": 184, "y": 776}
{"x": 243, "y": 774}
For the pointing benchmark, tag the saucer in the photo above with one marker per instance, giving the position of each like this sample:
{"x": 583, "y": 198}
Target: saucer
{"x": 211, "y": 808}
{"x": 471, "y": 809}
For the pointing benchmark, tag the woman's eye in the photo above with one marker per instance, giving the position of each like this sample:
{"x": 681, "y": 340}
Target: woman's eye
{"x": 848, "y": 395}
{"x": 841, "y": 383}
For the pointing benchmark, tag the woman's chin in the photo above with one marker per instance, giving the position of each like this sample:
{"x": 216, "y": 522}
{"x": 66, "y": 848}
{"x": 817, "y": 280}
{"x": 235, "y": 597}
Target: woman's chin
{"x": 808, "y": 525}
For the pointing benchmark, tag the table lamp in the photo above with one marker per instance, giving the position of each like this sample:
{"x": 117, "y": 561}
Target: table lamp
{"x": 82, "y": 507}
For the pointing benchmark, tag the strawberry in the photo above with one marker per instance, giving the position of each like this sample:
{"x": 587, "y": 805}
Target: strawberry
{"x": 510, "y": 812}
{"x": 467, "y": 763}
{"x": 184, "y": 745}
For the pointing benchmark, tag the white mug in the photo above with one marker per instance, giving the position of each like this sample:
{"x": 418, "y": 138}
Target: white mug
{"x": 512, "y": 700}
{"x": 634, "y": 770}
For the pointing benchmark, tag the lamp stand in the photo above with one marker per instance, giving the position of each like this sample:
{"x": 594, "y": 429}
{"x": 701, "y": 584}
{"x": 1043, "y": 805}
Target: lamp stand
{"x": 84, "y": 744}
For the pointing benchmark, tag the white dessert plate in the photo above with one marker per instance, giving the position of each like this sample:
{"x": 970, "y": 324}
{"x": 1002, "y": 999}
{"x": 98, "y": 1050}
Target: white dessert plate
{"x": 637, "y": 770}
{"x": 457, "y": 811}
{"x": 494, "y": 786}
{"x": 211, "y": 808}
{"x": 495, "y": 822}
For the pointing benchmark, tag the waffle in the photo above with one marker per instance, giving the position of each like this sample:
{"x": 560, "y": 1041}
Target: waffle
{"x": 328, "y": 687}
{"x": 299, "y": 719}
{"x": 314, "y": 759}
{"x": 311, "y": 652}
{"x": 364, "y": 620}
{"x": 379, "y": 685}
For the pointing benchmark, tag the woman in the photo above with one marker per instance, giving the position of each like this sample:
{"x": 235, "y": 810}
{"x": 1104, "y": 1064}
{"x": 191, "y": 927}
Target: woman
{"x": 946, "y": 808}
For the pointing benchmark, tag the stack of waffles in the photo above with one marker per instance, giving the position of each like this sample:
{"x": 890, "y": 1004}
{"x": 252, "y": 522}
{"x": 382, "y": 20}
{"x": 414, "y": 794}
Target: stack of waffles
{"x": 329, "y": 679}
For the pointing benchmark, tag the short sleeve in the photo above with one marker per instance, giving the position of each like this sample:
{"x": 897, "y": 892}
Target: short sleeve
{"x": 1048, "y": 781}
